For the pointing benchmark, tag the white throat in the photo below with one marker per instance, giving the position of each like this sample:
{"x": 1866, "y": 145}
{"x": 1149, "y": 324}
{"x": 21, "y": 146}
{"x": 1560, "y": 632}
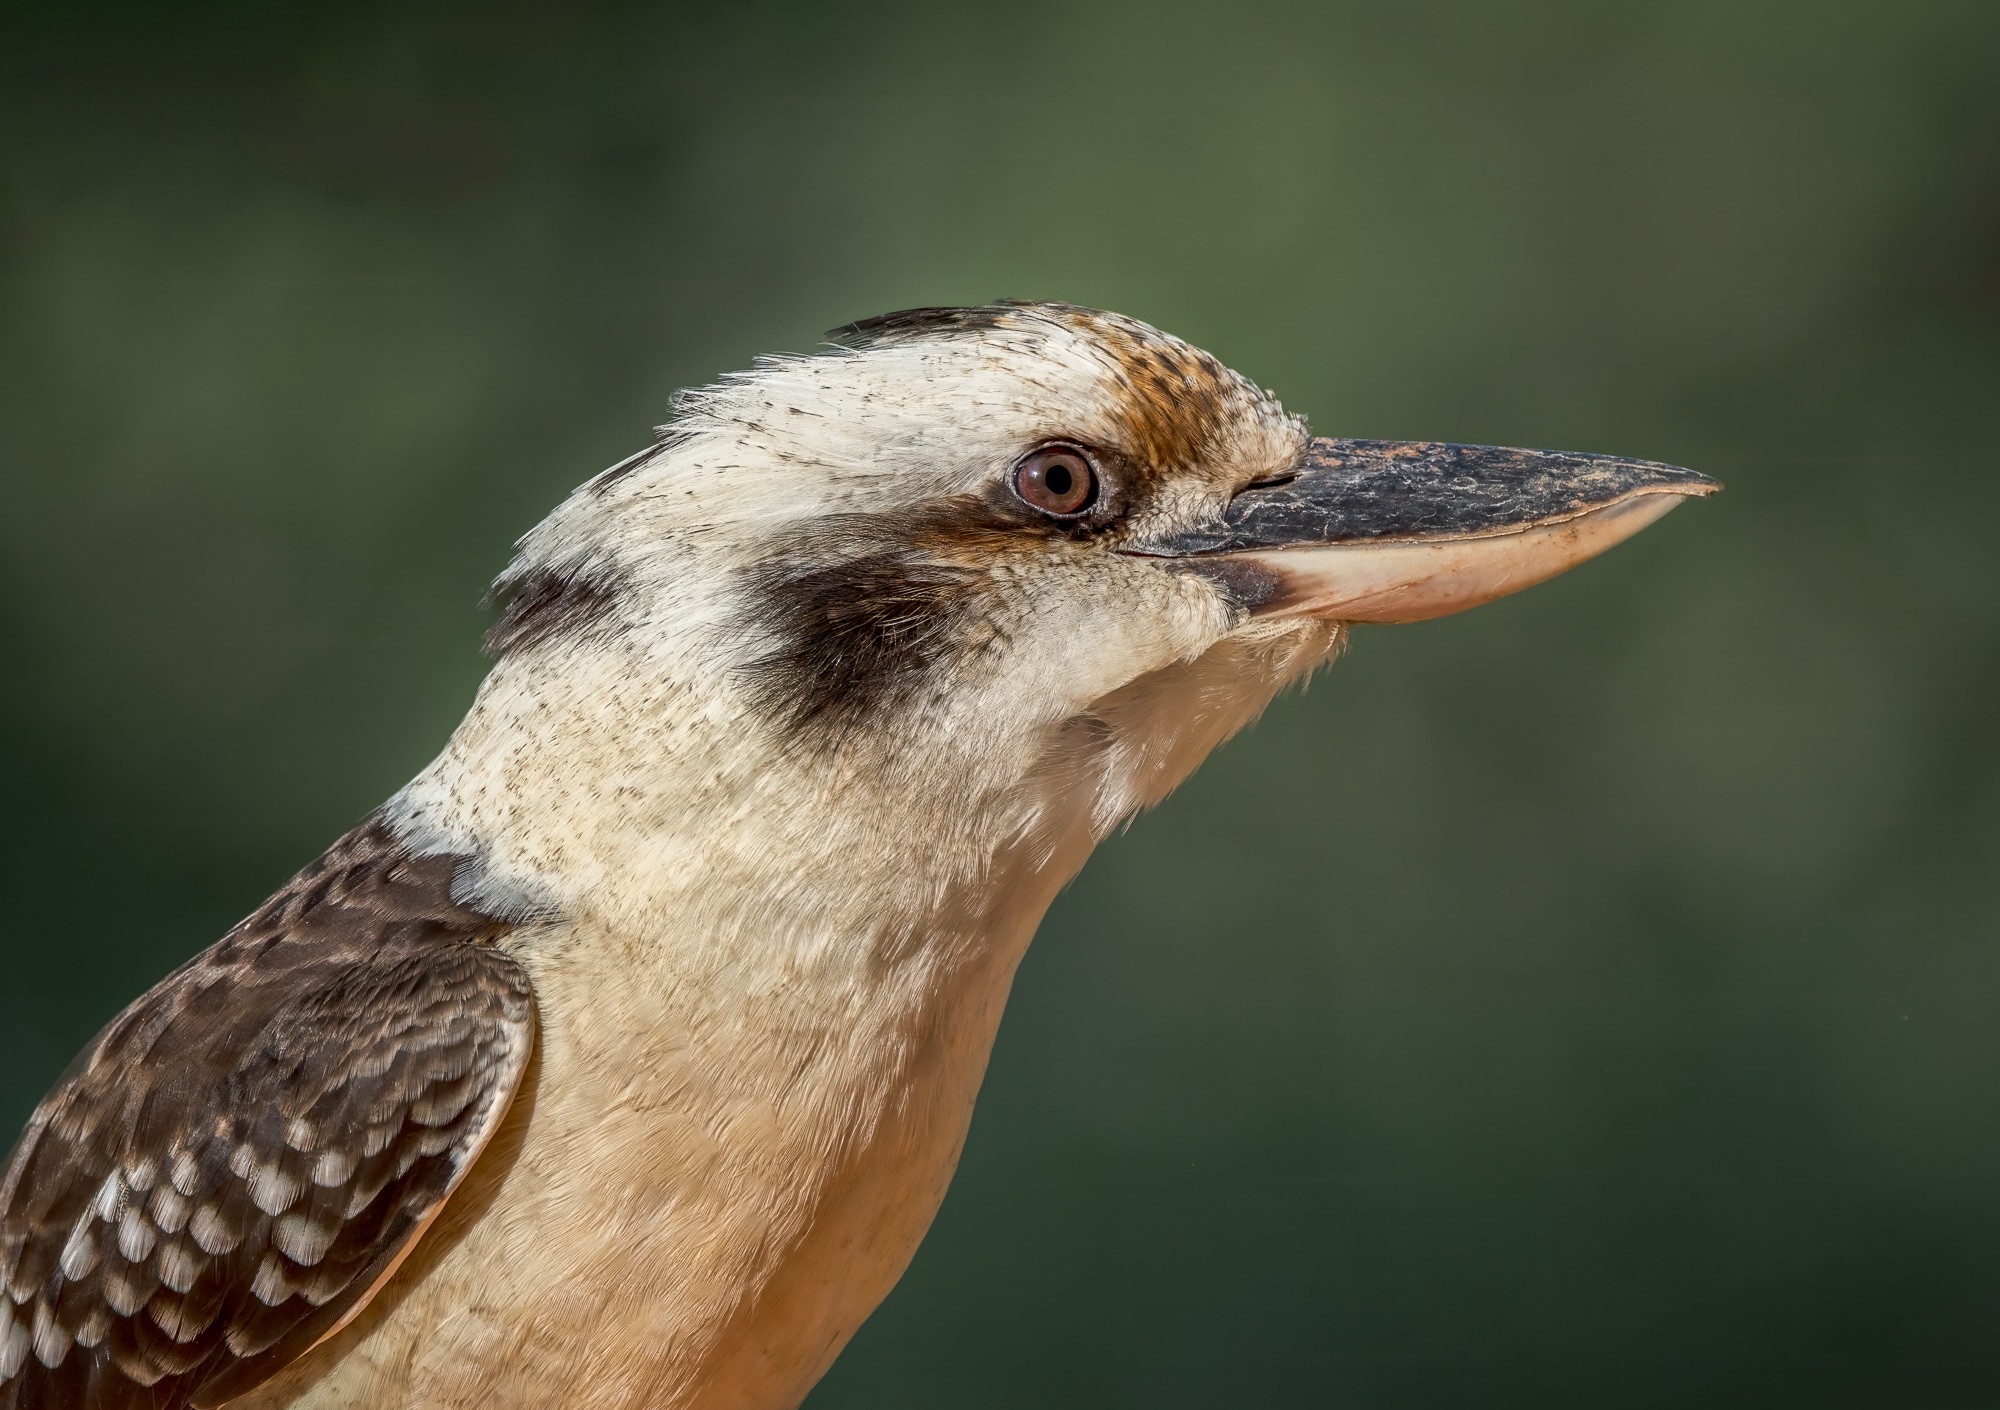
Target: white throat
{"x": 607, "y": 783}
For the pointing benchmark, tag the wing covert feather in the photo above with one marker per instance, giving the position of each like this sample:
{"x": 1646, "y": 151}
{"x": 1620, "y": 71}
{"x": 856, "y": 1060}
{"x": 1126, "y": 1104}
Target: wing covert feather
{"x": 227, "y": 1171}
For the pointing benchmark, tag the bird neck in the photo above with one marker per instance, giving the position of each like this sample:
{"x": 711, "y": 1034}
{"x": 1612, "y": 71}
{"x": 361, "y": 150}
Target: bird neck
{"x": 618, "y": 789}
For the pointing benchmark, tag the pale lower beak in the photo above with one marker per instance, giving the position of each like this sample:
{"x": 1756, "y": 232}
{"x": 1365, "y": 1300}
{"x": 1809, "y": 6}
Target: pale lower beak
{"x": 1398, "y": 531}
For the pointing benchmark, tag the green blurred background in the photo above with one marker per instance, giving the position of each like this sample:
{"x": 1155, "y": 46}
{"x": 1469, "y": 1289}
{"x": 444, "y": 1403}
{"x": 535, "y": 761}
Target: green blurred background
{"x": 1590, "y": 1001}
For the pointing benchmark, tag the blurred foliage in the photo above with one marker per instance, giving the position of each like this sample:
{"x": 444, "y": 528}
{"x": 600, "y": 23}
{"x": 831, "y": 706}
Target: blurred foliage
{"x": 1587, "y": 1001}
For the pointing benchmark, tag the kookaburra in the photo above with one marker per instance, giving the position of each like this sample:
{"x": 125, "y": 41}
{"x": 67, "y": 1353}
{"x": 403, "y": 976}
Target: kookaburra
{"x": 622, "y": 1058}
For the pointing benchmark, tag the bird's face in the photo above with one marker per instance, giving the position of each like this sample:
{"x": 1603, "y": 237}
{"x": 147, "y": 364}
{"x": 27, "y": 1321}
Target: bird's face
{"x": 1028, "y": 530}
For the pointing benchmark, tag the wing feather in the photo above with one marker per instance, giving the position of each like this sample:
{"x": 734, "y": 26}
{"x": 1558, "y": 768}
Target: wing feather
{"x": 229, "y": 1170}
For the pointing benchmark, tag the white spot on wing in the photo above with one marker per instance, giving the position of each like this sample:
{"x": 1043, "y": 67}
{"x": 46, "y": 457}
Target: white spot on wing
{"x": 302, "y": 1240}
{"x": 110, "y": 1198}
{"x": 169, "y": 1209}
{"x": 13, "y": 1340}
{"x": 122, "y": 1291}
{"x": 213, "y": 1232}
{"x": 333, "y": 1169}
{"x": 272, "y": 1190}
{"x": 171, "y": 1316}
{"x": 51, "y": 1341}
{"x": 135, "y": 1236}
{"x": 270, "y": 1286}
{"x": 79, "y": 1255}
{"x": 178, "y": 1267}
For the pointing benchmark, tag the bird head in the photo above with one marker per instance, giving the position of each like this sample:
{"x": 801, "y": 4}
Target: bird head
{"x": 1023, "y": 550}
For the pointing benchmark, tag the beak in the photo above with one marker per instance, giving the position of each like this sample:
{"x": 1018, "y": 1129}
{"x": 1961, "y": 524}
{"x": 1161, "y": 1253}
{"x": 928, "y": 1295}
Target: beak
{"x": 1398, "y": 531}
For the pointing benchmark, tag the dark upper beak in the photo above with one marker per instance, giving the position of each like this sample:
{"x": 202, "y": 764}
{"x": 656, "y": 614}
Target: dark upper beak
{"x": 1397, "y": 531}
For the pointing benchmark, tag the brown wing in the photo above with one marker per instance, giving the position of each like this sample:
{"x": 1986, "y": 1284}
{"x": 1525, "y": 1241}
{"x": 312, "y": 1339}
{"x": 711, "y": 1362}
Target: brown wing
{"x": 229, "y": 1170}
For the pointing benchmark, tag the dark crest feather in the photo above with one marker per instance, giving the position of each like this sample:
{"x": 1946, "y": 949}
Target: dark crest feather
{"x": 933, "y": 322}
{"x": 545, "y": 602}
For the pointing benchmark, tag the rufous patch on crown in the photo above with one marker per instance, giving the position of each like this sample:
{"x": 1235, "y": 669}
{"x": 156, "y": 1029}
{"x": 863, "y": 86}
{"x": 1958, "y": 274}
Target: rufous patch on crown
{"x": 1176, "y": 402}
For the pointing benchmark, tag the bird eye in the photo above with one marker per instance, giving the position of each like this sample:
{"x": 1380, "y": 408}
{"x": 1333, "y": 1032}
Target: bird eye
{"x": 1057, "y": 480}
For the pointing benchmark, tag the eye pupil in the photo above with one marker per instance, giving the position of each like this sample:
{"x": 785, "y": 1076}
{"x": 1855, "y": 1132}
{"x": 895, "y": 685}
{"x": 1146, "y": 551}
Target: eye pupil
{"x": 1057, "y": 480}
